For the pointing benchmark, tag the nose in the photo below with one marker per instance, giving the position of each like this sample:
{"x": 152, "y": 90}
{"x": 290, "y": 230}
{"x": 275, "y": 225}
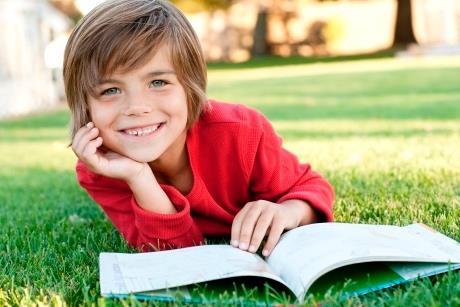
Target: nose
{"x": 137, "y": 106}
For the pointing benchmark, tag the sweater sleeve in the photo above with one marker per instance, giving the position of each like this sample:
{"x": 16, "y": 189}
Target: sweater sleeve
{"x": 142, "y": 229}
{"x": 276, "y": 174}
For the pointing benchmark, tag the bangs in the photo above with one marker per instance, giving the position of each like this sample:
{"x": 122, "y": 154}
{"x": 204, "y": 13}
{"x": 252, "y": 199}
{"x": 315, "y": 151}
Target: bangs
{"x": 124, "y": 47}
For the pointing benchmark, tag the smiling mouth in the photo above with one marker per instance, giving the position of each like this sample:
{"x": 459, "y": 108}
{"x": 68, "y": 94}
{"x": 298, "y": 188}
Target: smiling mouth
{"x": 144, "y": 131}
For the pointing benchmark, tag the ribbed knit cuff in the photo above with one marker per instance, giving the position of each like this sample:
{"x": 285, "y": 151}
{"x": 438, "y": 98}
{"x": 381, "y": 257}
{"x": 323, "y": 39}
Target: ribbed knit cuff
{"x": 164, "y": 226}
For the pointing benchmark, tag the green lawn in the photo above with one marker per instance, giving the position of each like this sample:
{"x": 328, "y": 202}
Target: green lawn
{"x": 385, "y": 132}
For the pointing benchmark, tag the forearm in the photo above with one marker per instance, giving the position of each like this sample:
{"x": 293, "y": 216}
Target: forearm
{"x": 149, "y": 195}
{"x": 304, "y": 212}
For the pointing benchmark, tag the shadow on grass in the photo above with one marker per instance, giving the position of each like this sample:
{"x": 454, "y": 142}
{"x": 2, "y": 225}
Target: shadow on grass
{"x": 295, "y": 112}
{"x": 270, "y": 61}
{"x": 409, "y": 94}
{"x": 52, "y": 119}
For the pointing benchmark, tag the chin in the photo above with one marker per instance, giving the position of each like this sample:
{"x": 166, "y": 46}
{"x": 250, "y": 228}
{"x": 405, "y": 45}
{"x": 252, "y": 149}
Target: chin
{"x": 144, "y": 159}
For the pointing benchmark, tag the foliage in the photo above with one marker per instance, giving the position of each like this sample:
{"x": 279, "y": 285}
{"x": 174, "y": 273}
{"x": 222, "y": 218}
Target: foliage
{"x": 193, "y": 6}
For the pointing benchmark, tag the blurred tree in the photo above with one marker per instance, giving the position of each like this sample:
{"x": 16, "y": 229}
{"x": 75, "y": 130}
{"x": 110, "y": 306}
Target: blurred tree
{"x": 68, "y": 8}
{"x": 260, "y": 44}
{"x": 283, "y": 10}
{"x": 404, "y": 31}
{"x": 193, "y": 6}
{"x": 217, "y": 9}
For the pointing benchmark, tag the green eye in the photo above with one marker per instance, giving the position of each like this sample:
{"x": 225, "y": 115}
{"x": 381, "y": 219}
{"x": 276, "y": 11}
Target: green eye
{"x": 111, "y": 91}
{"x": 158, "y": 83}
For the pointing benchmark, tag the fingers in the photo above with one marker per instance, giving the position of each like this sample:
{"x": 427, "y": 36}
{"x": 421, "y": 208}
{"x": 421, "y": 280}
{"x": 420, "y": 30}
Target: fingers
{"x": 86, "y": 143}
{"x": 251, "y": 225}
{"x": 89, "y": 152}
{"x": 238, "y": 221}
{"x": 276, "y": 230}
{"x": 248, "y": 226}
{"x": 263, "y": 224}
{"x": 80, "y": 133}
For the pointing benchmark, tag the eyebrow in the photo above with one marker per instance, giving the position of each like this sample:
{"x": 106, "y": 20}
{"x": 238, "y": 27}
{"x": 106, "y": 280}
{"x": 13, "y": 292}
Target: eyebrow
{"x": 155, "y": 73}
{"x": 160, "y": 72}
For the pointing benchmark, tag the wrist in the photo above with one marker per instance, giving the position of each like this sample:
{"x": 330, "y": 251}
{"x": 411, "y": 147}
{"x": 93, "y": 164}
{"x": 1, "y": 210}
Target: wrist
{"x": 148, "y": 193}
{"x": 144, "y": 175}
{"x": 303, "y": 212}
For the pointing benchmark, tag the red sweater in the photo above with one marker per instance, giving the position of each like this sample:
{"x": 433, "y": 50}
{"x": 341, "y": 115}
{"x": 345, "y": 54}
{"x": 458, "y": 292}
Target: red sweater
{"x": 235, "y": 157}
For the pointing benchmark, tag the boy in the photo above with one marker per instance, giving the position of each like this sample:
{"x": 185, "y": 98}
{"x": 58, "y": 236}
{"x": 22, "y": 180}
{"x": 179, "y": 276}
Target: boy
{"x": 167, "y": 165}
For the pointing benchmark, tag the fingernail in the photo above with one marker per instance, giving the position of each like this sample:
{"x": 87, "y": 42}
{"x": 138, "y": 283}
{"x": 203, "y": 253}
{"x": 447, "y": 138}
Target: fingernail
{"x": 265, "y": 252}
{"x": 235, "y": 243}
{"x": 89, "y": 125}
{"x": 252, "y": 248}
{"x": 243, "y": 246}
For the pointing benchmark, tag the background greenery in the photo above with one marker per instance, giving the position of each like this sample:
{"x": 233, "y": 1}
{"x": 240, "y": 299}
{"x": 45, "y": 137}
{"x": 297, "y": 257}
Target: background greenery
{"x": 385, "y": 132}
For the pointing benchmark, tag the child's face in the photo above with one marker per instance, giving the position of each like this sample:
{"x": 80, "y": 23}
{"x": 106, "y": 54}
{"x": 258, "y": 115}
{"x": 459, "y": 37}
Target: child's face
{"x": 142, "y": 114}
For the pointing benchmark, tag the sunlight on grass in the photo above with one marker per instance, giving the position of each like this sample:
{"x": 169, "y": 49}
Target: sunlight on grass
{"x": 374, "y": 145}
{"x": 46, "y": 155}
{"x": 383, "y": 154}
{"x": 366, "y": 127}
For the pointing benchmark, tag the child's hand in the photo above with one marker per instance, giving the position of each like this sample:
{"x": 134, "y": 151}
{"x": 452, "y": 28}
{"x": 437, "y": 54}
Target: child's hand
{"x": 258, "y": 218}
{"x": 86, "y": 145}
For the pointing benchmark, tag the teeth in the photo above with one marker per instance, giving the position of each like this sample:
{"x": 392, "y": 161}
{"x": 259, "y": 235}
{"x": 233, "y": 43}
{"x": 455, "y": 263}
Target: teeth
{"x": 142, "y": 131}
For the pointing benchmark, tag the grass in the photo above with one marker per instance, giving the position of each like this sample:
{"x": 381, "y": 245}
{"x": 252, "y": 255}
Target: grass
{"x": 385, "y": 132}
{"x": 270, "y": 61}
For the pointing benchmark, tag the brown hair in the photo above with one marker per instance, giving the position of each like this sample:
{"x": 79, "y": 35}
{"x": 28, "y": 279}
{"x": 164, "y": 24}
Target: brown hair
{"x": 125, "y": 34}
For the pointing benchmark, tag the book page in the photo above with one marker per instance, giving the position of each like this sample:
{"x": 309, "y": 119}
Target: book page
{"x": 304, "y": 254}
{"x": 129, "y": 273}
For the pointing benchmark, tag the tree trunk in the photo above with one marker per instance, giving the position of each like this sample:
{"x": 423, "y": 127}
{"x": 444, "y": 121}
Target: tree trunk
{"x": 404, "y": 32}
{"x": 260, "y": 46}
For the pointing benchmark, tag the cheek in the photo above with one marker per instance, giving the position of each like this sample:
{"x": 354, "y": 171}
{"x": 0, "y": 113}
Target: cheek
{"x": 101, "y": 116}
{"x": 183, "y": 103}
{"x": 177, "y": 104}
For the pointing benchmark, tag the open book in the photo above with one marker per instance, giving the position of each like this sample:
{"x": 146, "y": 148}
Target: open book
{"x": 308, "y": 259}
